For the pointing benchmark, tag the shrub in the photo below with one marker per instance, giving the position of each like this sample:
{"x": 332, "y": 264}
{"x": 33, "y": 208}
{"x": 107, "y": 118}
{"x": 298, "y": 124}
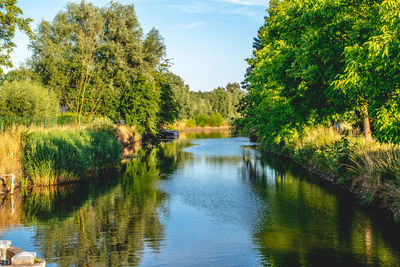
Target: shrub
{"x": 214, "y": 120}
{"x": 103, "y": 124}
{"x": 27, "y": 99}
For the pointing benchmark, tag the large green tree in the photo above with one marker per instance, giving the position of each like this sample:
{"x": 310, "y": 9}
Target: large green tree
{"x": 10, "y": 19}
{"x": 98, "y": 58}
{"x": 371, "y": 76}
{"x": 325, "y": 61}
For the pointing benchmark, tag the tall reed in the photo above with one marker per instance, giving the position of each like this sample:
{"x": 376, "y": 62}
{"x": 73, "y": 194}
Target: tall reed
{"x": 63, "y": 156}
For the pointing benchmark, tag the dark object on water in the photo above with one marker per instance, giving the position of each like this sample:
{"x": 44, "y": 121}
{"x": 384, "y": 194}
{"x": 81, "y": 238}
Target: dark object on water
{"x": 253, "y": 135}
{"x": 169, "y": 134}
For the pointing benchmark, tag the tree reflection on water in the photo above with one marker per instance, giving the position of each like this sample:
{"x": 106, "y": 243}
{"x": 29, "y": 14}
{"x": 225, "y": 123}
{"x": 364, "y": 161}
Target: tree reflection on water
{"x": 305, "y": 223}
{"x": 112, "y": 221}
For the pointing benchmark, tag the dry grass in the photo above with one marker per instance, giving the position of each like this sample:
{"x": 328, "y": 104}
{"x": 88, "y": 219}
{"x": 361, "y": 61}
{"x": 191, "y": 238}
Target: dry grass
{"x": 11, "y": 149}
{"x": 127, "y": 134}
{"x": 320, "y": 137}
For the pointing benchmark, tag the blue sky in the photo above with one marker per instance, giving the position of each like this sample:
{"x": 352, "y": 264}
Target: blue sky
{"x": 207, "y": 40}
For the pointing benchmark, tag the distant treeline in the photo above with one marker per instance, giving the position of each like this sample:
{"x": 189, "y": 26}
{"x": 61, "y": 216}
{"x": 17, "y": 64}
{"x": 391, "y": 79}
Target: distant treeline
{"x": 96, "y": 61}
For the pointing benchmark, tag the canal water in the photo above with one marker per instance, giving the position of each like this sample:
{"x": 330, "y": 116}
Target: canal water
{"x": 200, "y": 202}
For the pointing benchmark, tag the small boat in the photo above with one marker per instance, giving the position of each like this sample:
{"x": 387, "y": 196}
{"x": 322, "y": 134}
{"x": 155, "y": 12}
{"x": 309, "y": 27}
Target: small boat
{"x": 169, "y": 134}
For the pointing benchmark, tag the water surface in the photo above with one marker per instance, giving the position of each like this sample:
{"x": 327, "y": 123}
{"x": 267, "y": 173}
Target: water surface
{"x": 200, "y": 202}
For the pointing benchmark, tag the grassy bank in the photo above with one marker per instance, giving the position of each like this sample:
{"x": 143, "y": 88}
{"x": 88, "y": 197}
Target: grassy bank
{"x": 62, "y": 156}
{"x": 200, "y": 121}
{"x": 367, "y": 168}
{"x": 56, "y": 155}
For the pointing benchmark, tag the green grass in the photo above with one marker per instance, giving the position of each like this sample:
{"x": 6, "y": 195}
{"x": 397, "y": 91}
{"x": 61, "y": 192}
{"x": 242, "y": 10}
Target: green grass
{"x": 63, "y": 156}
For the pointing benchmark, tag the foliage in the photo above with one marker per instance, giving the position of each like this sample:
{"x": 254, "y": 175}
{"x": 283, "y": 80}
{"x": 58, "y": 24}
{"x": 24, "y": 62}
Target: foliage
{"x": 324, "y": 62}
{"x": 370, "y": 169}
{"x": 97, "y": 59}
{"x": 169, "y": 109}
{"x": 23, "y": 73}
{"x": 139, "y": 105}
{"x": 23, "y": 99}
{"x": 189, "y": 104}
{"x": 61, "y": 156}
{"x": 103, "y": 124}
{"x": 213, "y": 120}
{"x": 10, "y": 19}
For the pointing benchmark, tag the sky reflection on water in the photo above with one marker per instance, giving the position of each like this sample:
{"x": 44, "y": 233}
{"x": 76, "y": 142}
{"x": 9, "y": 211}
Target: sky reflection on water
{"x": 204, "y": 202}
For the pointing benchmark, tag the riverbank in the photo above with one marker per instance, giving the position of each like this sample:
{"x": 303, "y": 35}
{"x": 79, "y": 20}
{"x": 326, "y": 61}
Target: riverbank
{"x": 364, "y": 167}
{"x": 64, "y": 154}
{"x": 204, "y": 129}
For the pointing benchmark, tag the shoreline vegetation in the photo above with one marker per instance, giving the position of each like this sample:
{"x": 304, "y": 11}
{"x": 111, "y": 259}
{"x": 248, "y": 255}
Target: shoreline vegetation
{"x": 323, "y": 90}
{"x": 70, "y": 153}
{"x": 92, "y": 62}
{"x": 62, "y": 154}
{"x": 366, "y": 168}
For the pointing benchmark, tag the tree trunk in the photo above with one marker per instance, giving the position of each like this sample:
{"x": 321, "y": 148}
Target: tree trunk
{"x": 367, "y": 125}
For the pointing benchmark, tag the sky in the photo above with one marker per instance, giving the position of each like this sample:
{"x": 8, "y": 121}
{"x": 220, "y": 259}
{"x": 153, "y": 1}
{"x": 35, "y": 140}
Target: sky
{"x": 207, "y": 41}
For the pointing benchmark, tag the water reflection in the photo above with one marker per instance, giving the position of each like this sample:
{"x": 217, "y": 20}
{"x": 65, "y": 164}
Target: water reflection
{"x": 209, "y": 202}
{"x": 306, "y": 224}
{"x": 113, "y": 221}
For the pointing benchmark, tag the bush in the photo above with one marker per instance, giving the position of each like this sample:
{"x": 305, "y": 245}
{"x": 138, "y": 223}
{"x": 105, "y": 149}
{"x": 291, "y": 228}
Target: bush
{"x": 27, "y": 99}
{"x": 61, "y": 156}
{"x": 103, "y": 124}
{"x": 213, "y": 120}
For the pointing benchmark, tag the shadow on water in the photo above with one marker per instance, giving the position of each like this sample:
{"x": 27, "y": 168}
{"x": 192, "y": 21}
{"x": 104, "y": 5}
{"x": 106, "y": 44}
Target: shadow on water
{"x": 294, "y": 201}
{"x": 110, "y": 221}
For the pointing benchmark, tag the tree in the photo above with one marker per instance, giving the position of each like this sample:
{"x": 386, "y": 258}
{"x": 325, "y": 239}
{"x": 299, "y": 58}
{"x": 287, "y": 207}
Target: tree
{"x": 370, "y": 78}
{"x": 139, "y": 105}
{"x": 300, "y": 66}
{"x": 66, "y": 56}
{"x": 10, "y": 18}
{"x": 168, "y": 99}
{"x": 98, "y": 60}
{"x": 23, "y": 73}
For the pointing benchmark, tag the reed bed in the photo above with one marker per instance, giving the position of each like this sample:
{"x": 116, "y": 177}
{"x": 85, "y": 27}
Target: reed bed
{"x": 59, "y": 154}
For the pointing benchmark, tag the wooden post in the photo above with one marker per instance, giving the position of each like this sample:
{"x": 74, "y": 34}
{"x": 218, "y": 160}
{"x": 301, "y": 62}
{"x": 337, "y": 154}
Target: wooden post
{"x": 12, "y": 181}
{"x": 12, "y": 184}
{"x": 12, "y": 204}
{"x": 4, "y": 245}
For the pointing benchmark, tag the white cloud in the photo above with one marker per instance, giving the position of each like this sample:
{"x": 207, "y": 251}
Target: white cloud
{"x": 246, "y": 2}
{"x": 253, "y": 9}
{"x": 192, "y": 8}
{"x": 192, "y": 25}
